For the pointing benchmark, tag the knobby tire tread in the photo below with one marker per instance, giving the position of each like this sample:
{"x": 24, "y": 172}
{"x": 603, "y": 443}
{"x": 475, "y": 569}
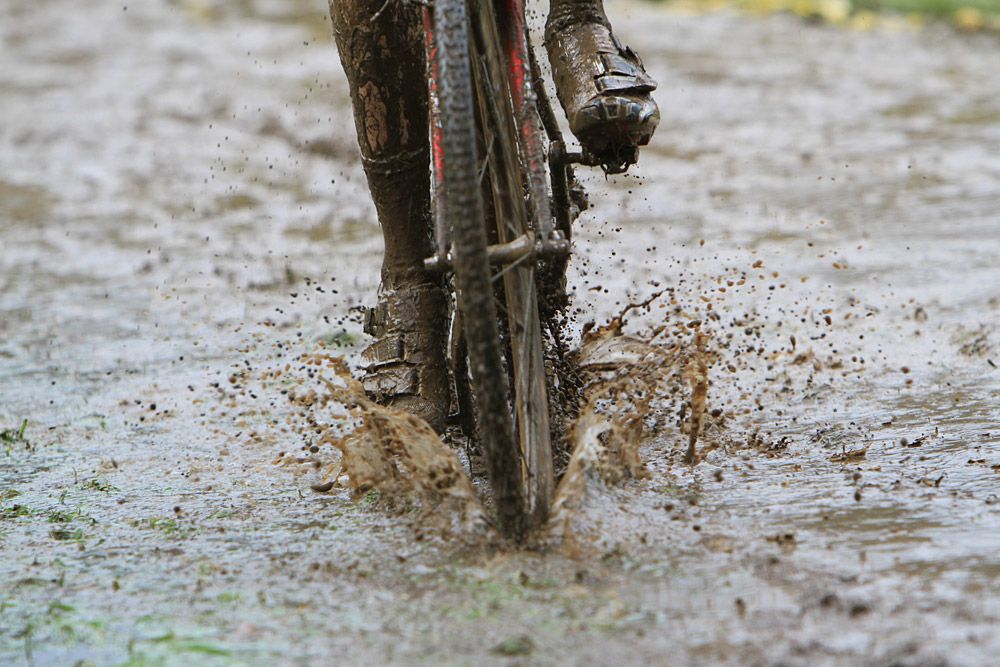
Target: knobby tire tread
{"x": 464, "y": 212}
{"x": 515, "y": 203}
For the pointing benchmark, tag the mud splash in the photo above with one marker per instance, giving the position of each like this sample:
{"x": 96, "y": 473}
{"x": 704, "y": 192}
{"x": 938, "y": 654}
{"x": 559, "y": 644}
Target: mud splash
{"x": 625, "y": 377}
{"x": 630, "y": 385}
{"x": 384, "y": 450}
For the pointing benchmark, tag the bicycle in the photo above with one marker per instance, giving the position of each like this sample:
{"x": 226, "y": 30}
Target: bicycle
{"x": 503, "y": 203}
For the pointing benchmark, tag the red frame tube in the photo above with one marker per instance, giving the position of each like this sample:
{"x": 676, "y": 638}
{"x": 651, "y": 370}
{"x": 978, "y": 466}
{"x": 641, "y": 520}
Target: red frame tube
{"x": 514, "y": 34}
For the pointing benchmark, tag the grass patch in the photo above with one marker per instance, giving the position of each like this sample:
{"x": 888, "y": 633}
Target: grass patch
{"x": 520, "y": 645}
{"x": 188, "y": 650}
{"x": 98, "y": 485}
{"x": 12, "y": 436}
{"x": 941, "y": 9}
{"x": 68, "y": 516}
{"x": 16, "y": 512}
{"x": 340, "y": 339}
{"x": 968, "y": 15}
{"x": 63, "y": 624}
{"x": 168, "y": 526}
{"x": 481, "y": 598}
{"x": 67, "y": 535}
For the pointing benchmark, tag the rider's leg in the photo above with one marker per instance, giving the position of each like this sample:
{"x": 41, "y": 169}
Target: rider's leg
{"x": 381, "y": 48}
{"x": 602, "y": 85}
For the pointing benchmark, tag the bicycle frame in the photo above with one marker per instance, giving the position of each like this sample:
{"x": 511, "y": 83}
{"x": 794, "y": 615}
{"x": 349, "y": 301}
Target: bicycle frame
{"x": 531, "y": 109}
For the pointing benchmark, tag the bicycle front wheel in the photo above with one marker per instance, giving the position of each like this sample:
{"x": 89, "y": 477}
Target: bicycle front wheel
{"x": 511, "y": 409}
{"x": 461, "y": 206}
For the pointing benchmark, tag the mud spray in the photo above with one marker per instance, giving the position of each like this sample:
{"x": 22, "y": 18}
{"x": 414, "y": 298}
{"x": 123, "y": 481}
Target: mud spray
{"x": 646, "y": 375}
{"x": 632, "y": 384}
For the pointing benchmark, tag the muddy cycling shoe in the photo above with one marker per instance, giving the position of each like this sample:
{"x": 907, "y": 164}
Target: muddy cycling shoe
{"x": 604, "y": 90}
{"x": 406, "y": 365}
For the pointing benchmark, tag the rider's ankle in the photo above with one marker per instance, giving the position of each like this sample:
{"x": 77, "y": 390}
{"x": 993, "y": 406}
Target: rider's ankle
{"x": 406, "y": 365}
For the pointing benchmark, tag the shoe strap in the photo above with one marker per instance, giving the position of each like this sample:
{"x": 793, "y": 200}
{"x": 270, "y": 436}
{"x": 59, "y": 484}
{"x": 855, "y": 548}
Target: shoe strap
{"x": 616, "y": 73}
{"x": 393, "y": 381}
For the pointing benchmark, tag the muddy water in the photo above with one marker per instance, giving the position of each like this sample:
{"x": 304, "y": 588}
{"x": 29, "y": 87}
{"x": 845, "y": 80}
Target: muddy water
{"x": 181, "y": 205}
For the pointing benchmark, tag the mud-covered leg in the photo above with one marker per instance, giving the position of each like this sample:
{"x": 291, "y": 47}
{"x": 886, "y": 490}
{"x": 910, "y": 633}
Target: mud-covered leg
{"x": 601, "y": 84}
{"x": 381, "y": 47}
{"x": 566, "y": 13}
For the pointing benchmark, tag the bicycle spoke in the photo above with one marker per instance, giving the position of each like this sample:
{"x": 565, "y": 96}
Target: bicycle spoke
{"x": 486, "y": 159}
{"x": 516, "y": 263}
{"x": 501, "y": 306}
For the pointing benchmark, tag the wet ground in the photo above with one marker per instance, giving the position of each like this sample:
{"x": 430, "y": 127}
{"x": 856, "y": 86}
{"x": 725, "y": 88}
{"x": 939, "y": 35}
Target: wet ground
{"x": 181, "y": 207}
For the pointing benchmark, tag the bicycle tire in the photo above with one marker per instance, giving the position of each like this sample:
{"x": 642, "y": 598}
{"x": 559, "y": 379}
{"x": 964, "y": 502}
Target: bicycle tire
{"x": 462, "y": 208}
{"x": 514, "y": 188}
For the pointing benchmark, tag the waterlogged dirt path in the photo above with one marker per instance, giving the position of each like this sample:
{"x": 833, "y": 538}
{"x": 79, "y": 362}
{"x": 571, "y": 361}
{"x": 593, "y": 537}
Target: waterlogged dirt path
{"x": 181, "y": 209}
